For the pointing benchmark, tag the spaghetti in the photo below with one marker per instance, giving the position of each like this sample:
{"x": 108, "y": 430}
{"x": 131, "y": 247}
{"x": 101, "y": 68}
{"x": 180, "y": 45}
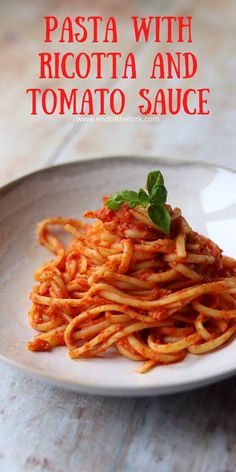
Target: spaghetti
{"x": 123, "y": 283}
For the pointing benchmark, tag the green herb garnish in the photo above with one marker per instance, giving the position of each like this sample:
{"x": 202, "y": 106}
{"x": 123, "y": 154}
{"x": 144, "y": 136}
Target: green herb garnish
{"x": 154, "y": 200}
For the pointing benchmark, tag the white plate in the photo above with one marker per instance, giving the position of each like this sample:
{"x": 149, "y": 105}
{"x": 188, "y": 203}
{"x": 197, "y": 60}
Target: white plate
{"x": 206, "y": 195}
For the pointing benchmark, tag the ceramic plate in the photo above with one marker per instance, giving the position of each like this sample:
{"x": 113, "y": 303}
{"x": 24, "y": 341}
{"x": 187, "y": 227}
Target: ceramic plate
{"x": 206, "y": 195}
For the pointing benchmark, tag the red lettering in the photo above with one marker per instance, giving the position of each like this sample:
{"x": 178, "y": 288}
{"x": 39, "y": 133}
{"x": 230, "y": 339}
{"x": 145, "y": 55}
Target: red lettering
{"x": 34, "y": 92}
{"x": 185, "y": 102}
{"x": 102, "y": 93}
{"x": 188, "y": 27}
{"x": 142, "y": 93}
{"x": 157, "y": 29}
{"x": 64, "y": 65}
{"x": 45, "y": 104}
{"x": 203, "y": 101}
{"x": 87, "y": 67}
{"x": 80, "y": 37}
{"x": 87, "y": 99}
{"x": 95, "y": 20}
{"x": 143, "y": 28}
{"x": 70, "y": 101}
{"x": 174, "y": 109}
{"x": 57, "y": 63}
{"x": 168, "y": 32}
{"x": 160, "y": 99}
{"x": 130, "y": 63}
{"x": 188, "y": 71}
{"x": 51, "y": 25}
{"x": 114, "y": 56}
{"x": 158, "y": 62}
{"x": 117, "y": 94}
{"x": 45, "y": 61}
{"x": 169, "y": 20}
{"x": 99, "y": 56}
{"x": 111, "y": 27}
{"x": 67, "y": 28}
{"x": 171, "y": 64}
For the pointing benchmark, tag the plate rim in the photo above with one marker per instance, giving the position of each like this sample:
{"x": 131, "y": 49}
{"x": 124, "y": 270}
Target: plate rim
{"x": 108, "y": 390}
{"x": 168, "y": 161}
{"x": 94, "y": 389}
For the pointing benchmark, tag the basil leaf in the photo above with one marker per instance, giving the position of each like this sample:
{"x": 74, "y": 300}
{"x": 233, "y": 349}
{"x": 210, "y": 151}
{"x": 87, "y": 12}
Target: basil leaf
{"x": 160, "y": 216}
{"x": 153, "y": 200}
{"x": 130, "y": 197}
{"x": 158, "y": 195}
{"x": 124, "y": 196}
{"x": 144, "y": 199}
{"x": 114, "y": 201}
{"x": 154, "y": 178}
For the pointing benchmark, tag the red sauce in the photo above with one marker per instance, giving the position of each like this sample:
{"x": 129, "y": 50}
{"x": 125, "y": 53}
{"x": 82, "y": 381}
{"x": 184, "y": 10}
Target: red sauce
{"x": 105, "y": 215}
{"x": 38, "y": 345}
{"x": 124, "y": 220}
{"x": 158, "y": 313}
{"x": 58, "y": 338}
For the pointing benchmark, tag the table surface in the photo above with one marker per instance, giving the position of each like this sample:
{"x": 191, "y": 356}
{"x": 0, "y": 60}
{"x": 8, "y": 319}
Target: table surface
{"x": 43, "y": 428}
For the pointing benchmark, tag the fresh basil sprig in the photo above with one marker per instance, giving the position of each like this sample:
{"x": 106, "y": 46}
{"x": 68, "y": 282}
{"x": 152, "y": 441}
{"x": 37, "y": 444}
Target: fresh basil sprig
{"x": 154, "y": 200}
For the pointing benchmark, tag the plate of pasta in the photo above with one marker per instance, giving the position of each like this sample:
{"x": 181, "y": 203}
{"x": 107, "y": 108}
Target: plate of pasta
{"x": 118, "y": 276}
